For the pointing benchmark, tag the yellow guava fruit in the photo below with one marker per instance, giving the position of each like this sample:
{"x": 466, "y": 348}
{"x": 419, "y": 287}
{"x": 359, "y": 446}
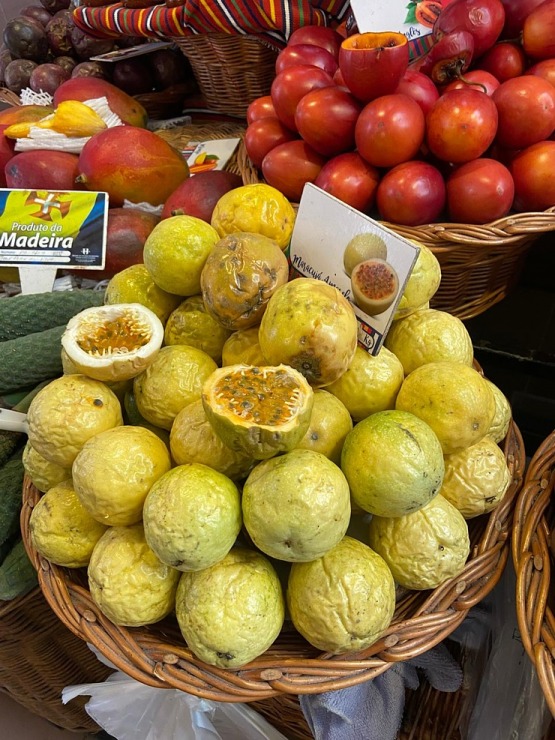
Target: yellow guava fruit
{"x": 68, "y": 412}
{"x": 243, "y": 348}
{"x": 232, "y": 612}
{"x": 172, "y": 381}
{"x": 191, "y": 324}
{"x": 134, "y": 284}
{"x": 370, "y": 383}
{"x": 192, "y": 516}
{"x": 428, "y": 335}
{"x": 114, "y": 342}
{"x": 115, "y": 470}
{"x": 128, "y": 583}
{"x": 193, "y": 440}
{"x": 258, "y": 411}
{"x": 330, "y": 422}
{"x": 422, "y": 284}
{"x": 62, "y": 530}
{"x": 453, "y": 399}
{"x": 239, "y": 277}
{"x": 311, "y": 326}
{"x": 42, "y": 473}
{"x": 393, "y": 463}
{"x": 343, "y": 601}
{"x": 175, "y": 251}
{"x": 476, "y": 479}
{"x": 257, "y": 208}
{"x": 296, "y": 506}
{"x": 423, "y": 549}
{"x": 502, "y": 416}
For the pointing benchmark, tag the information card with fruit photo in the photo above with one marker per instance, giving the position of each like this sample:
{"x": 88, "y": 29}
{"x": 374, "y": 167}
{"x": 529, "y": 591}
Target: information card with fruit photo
{"x": 367, "y": 262}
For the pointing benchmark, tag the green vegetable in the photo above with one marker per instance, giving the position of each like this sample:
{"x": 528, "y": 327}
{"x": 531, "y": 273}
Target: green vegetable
{"x": 17, "y": 574}
{"x": 30, "y": 359}
{"x": 11, "y": 484}
{"x": 10, "y": 440}
{"x": 31, "y": 313}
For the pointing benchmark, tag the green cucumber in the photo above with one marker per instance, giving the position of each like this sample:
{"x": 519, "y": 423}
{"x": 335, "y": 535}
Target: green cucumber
{"x": 11, "y": 485}
{"x": 17, "y": 574}
{"x": 31, "y": 359}
{"x": 31, "y": 313}
{"x": 9, "y": 441}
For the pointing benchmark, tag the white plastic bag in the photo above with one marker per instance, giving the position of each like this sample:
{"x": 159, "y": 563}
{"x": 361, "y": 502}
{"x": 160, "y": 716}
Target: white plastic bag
{"x": 130, "y": 710}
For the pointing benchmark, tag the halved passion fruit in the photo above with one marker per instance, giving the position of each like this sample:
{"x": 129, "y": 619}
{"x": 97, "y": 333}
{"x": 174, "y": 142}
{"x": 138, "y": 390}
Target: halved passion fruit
{"x": 114, "y": 342}
{"x": 259, "y": 410}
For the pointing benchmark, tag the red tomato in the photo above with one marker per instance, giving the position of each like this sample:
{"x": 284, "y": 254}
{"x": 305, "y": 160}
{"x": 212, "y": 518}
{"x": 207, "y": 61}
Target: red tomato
{"x": 538, "y": 31}
{"x": 291, "y": 85}
{"x": 532, "y": 170}
{"x": 297, "y": 54}
{"x": 326, "y": 120}
{"x": 477, "y": 79}
{"x": 515, "y": 15}
{"x": 479, "y": 192}
{"x": 544, "y": 69}
{"x": 504, "y": 61}
{"x": 461, "y": 125}
{"x": 412, "y": 193}
{"x": 323, "y": 36}
{"x": 260, "y": 108}
{"x": 350, "y": 179}
{"x": 419, "y": 87}
{"x": 526, "y": 107}
{"x": 263, "y": 135}
{"x": 389, "y": 130}
{"x": 288, "y": 167}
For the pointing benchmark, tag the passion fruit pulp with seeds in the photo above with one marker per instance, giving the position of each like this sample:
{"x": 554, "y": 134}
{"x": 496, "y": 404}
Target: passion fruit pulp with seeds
{"x": 258, "y": 410}
{"x": 115, "y": 342}
{"x": 375, "y": 285}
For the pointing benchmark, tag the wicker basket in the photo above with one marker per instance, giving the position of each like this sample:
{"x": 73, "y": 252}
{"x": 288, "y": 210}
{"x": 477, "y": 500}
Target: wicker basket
{"x": 157, "y": 655}
{"x": 531, "y": 540}
{"x": 230, "y": 70}
{"x": 39, "y": 656}
{"x": 479, "y": 264}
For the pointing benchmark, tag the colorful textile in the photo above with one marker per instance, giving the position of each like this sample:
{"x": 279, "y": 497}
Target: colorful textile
{"x": 273, "y": 20}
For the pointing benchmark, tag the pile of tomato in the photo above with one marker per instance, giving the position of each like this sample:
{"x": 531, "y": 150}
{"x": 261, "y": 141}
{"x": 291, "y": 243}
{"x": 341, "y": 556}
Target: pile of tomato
{"x": 465, "y": 133}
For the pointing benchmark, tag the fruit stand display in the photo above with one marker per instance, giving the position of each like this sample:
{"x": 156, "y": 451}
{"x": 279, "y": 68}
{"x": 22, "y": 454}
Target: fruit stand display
{"x": 211, "y": 414}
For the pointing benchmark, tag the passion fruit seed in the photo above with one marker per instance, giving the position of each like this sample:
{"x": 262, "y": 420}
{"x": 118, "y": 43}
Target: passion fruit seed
{"x": 375, "y": 285}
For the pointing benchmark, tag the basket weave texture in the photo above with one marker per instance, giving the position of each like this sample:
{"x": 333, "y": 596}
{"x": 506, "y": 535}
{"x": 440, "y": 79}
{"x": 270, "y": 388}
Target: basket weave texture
{"x": 531, "y": 539}
{"x": 39, "y": 656}
{"x": 480, "y": 264}
{"x": 157, "y": 655}
{"x": 231, "y": 71}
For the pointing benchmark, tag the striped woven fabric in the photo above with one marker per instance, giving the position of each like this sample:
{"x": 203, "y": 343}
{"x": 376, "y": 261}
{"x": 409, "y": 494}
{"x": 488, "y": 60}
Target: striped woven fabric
{"x": 274, "y": 20}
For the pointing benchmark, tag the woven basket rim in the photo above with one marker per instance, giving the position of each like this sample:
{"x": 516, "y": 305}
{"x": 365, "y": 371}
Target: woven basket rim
{"x": 509, "y": 230}
{"x": 532, "y": 529}
{"x": 158, "y": 656}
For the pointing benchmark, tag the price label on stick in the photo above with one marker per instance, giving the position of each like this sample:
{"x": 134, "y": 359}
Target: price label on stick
{"x": 43, "y": 230}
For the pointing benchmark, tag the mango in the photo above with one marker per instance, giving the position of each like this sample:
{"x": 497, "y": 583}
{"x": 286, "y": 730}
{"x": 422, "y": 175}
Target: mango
{"x": 131, "y": 164}
{"x": 42, "y": 169}
{"x": 24, "y": 114}
{"x": 87, "y": 88}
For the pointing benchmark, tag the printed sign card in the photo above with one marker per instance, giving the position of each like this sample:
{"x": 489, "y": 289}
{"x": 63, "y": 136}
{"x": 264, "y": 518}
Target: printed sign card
{"x": 414, "y": 18}
{"x": 42, "y": 229}
{"x": 324, "y": 228}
